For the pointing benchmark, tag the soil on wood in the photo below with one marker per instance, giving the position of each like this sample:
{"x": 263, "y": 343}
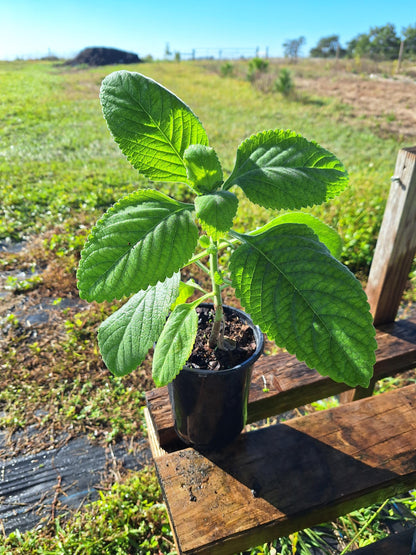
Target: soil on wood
{"x": 239, "y": 342}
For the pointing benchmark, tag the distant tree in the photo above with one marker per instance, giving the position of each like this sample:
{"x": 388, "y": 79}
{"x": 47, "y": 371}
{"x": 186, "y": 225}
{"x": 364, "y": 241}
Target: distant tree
{"x": 360, "y": 46}
{"x": 384, "y": 41}
{"x": 381, "y": 43}
{"x": 291, "y": 48}
{"x": 409, "y": 36}
{"x": 328, "y": 47}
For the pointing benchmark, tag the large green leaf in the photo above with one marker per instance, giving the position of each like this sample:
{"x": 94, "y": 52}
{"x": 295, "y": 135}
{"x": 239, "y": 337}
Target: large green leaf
{"x": 280, "y": 169}
{"x": 143, "y": 239}
{"x": 325, "y": 233}
{"x": 306, "y": 301}
{"x": 152, "y": 126}
{"x": 216, "y": 212}
{"x": 127, "y": 335}
{"x": 175, "y": 344}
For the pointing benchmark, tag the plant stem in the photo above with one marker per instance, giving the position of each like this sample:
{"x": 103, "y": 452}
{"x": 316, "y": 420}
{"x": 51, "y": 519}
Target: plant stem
{"x": 202, "y": 266}
{"x": 361, "y": 530}
{"x": 216, "y": 336}
{"x": 197, "y": 257}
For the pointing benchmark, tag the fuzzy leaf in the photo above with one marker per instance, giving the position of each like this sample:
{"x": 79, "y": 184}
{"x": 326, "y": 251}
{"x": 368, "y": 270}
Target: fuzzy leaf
{"x": 306, "y": 301}
{"x": 144, "y": 238}
{"x": 280, "y": 169}
{"x": 203, "y": 168}
{"x": 152, "y": 126}
{"x": 175, "y": 344}
{"x": 325, "y": 233}
{"x": 186, "y": 290}
{"x": 216, "y": 212}
{"x": 127, "y": 335}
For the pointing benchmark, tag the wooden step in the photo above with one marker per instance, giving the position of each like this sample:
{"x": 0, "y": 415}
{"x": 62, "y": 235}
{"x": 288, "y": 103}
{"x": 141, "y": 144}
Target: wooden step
{"x": 273, "y": 481}
{"x": 281, "y": 383}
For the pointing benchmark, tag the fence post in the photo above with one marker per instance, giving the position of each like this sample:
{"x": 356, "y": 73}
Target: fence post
{"x": 394, "y": 252}
{"x": 396, "y": 244}
{"x": 399, "y": 61}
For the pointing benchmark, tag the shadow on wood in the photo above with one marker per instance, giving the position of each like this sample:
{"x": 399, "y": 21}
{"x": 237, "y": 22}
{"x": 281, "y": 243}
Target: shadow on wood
{"x": 291, "y": 383}
{"x": 276, "y": 480}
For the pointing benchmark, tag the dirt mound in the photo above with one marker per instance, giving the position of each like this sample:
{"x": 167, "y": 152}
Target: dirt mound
{"x": 101, "y": 56}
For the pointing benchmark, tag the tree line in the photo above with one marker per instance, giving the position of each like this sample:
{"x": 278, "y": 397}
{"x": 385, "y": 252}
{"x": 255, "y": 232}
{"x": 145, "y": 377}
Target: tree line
{"x": 380, "y": 43}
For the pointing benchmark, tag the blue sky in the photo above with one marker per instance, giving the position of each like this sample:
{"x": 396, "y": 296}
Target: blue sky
{"x": 32, "y": 28}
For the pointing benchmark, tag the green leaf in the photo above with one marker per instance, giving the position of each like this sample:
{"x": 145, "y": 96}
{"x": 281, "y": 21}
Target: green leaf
{"x": 186, "y": 290}
{"x": 175, "y": 344}
{"x": 280, "y": 169}
{"x": 203, "y": 168}
{"x": 127, "y": 335}
{"x": 216, "y": 212}
{"x": 144, "y": 238}
{"x": 152, "y": 126}
{"x": 306, "y": 301}
{"x": 325, "y": 233}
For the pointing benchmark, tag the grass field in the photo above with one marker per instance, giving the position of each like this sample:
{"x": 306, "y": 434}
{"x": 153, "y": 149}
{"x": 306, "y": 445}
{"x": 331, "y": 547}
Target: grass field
{"x": 60, "y": 169}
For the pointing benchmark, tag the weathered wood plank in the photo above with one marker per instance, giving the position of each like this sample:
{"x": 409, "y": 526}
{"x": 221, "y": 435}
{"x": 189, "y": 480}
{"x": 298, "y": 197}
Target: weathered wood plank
{"x": 156, "y": 449}
{"x": 291, "y": 383}
{"x": 396, "y": 244}
{"x": 395, "y": 544}
{"x": 250, "y": 492}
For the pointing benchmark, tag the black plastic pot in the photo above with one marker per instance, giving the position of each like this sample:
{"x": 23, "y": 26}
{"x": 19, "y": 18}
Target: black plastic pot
{"x": 210, "y": 406}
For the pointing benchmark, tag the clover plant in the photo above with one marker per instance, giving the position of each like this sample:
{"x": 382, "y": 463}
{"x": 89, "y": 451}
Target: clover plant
{"x": 285, "y": 274}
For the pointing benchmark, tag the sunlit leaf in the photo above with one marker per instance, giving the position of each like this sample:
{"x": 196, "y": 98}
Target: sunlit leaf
{"x": 152, "y": 126}
{"x": 325, "y": 233}
{"x": 127, "y": 335}
{"x": 216, "y": 212}
{"x": 175, "y": 344}
{"x": 144, "y": 238}
{"x": 203, "y": 168}
{"x": 280, "y": 169}
{"x": 306, "y": 301}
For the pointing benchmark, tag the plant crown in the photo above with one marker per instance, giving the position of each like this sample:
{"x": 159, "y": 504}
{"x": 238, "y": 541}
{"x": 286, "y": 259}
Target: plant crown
{"x": 285, "y": 273}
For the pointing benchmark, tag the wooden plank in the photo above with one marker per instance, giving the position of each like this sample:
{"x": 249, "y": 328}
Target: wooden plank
{"x": 155, "y": 448}
{"x": 396, "y": 245}
{"x": 273, "y": 481}
{"x": 395, "y": 544}
{"x": 291, "y": 383}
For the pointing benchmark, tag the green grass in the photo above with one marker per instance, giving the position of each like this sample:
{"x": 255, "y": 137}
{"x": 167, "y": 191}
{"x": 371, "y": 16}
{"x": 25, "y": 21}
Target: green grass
{"x": 56, "y": 158}
{"x": 59, "y": 163}
{"x": 59, "y": 171}
{"x": 130, "y": 518}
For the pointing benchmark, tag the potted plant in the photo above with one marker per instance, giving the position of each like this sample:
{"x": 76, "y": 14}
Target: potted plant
{"x": 285, "y": 273}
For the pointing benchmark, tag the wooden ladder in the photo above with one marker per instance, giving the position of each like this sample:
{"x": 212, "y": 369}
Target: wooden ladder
{"x": 278, "y": 479}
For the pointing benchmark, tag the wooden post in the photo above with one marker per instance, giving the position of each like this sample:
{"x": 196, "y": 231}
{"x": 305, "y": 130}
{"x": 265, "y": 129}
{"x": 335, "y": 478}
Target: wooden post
{"x": 399, "y": 61}
{"x": 394, "y": 252}
{"x": 396, "y": 244}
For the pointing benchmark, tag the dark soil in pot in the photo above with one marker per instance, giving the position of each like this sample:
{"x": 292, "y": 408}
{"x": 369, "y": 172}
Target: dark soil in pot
{"x": 209, "y": 395}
